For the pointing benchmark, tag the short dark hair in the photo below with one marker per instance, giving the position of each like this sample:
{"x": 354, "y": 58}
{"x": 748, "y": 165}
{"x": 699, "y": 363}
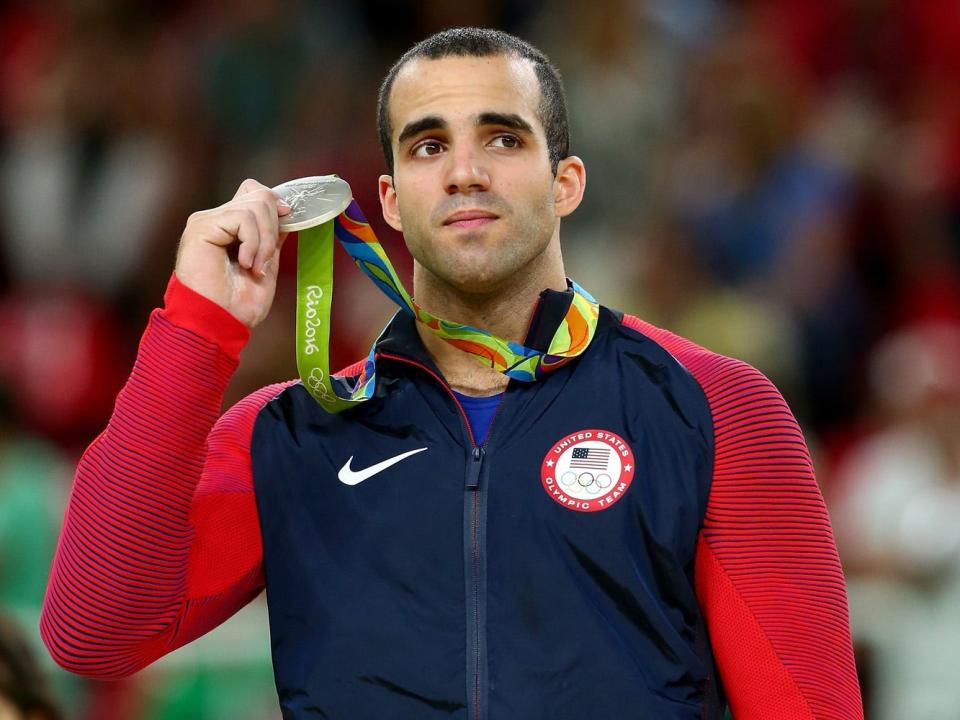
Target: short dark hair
{"x": 484, "y": 42}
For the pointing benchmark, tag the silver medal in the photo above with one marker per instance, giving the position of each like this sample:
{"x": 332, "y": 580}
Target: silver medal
{"x": 313, "y": 201}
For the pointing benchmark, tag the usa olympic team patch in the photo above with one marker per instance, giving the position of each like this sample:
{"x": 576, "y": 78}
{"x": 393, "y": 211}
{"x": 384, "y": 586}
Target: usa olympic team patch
{"x": 588, "y": 470}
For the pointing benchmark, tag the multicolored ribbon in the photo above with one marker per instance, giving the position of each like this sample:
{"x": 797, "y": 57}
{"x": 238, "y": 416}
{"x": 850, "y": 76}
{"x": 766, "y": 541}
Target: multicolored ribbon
{"x": 315, "y": 293}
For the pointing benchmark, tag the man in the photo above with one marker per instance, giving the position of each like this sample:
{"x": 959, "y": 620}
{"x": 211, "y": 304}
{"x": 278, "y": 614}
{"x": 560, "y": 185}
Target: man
{"x": 638, "y": 519}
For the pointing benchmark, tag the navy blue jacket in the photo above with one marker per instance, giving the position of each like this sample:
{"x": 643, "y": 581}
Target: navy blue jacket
{"x": 640, "y": 536}
{"x": 453, "y": 584}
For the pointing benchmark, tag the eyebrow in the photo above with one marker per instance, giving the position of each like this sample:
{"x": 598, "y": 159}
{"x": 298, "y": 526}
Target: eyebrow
{"x": 430, "y": 122}
{"x": 508, "y": 120}
{"x": 435, "y": 122}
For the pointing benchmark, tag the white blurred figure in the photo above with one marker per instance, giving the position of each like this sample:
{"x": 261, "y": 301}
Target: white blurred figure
{"x": 88, "y": 231}
{"x": 898, "y": 525}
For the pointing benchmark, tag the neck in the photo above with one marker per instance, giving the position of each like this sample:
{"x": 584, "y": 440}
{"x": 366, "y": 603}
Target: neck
{"x": 505, "y": 310}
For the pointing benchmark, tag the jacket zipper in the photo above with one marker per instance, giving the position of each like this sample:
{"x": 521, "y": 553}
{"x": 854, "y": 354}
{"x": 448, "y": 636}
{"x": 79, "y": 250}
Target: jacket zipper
{"x": 475, "y": 542}
{"x": 473, "y": 499}
{"x": 476, "y": 464}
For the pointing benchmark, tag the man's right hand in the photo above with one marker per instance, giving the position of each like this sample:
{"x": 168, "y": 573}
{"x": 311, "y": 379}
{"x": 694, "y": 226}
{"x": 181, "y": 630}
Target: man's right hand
{"x": 230, "y": 254}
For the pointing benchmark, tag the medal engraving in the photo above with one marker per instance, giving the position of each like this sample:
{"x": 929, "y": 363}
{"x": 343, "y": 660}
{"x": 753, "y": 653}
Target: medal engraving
{"x": 313, "y": 201}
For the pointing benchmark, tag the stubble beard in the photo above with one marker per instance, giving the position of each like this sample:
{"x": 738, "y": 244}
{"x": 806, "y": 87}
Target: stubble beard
{"x": 483, "y": 262}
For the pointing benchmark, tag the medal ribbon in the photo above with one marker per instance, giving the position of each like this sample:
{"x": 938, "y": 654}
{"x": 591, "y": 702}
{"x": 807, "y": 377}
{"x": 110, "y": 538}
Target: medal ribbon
{"x": 315, "y": 293}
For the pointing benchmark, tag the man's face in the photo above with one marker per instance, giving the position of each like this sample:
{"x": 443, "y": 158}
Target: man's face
{"x": 472, "y": 189}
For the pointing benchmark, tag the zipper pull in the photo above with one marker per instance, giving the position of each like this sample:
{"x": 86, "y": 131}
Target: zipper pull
{"x": 473, "y": 469}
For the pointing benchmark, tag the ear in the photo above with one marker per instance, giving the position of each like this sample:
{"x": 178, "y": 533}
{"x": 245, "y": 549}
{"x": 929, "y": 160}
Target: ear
{"x": 388, "y": 203}
{"x": 568, "y": 185}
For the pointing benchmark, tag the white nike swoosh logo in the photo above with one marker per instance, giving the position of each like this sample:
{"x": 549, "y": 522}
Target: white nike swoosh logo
{"x": 355, "y": 477}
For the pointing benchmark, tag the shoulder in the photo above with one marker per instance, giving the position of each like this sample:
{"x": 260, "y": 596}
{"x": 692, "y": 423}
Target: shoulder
{"x": 245, "y": 412}
{"x": 228, "y": 445}
{"x": 725, "y": 381}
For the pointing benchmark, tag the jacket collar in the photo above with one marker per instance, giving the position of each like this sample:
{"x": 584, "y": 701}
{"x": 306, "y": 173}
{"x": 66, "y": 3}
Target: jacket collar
{"x": 400, "y": 337}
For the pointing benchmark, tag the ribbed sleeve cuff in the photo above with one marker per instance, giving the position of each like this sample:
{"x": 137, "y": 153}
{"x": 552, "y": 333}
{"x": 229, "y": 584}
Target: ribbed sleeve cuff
{"x": 192, "y": 311}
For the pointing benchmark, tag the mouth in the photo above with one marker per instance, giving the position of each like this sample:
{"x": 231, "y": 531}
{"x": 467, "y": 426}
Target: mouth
{"x": 466, "y": 219}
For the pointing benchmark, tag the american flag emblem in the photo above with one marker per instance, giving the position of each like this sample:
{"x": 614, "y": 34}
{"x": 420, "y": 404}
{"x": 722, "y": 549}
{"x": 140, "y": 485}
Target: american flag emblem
{"x": 590, "y": 458}
{"x": 588, "y": 470}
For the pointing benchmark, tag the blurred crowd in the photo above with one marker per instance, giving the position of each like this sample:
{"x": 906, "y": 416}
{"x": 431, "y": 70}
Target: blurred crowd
{"x": 778, "y": 180}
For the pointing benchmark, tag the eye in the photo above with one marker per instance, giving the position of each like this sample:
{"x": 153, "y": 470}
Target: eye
{"x": 426, "y": 148}
{"x": 506, "y": 141}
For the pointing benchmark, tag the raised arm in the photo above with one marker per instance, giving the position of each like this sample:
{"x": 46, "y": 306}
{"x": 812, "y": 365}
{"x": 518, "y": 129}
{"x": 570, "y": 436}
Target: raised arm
{"x": 160, "y": 540}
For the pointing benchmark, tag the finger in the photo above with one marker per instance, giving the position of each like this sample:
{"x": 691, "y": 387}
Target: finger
{"x": 270, "y": 207}
{"x": 273, "y": 261}
{"x": 268, "y": 222}
{"x": 241, "y": 223}
{"x": 248, "y": 186}
{"x": 272, "y": 265}
{"x": 261, "y": 193}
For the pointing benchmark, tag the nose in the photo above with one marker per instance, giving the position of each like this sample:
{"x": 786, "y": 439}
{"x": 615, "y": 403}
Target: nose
{"x": 466, "y": 170}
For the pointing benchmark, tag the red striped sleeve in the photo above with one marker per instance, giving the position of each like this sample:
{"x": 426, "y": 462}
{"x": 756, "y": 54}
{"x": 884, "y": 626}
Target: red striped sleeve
{"x": 145, "y": 562}
{"x": 767, "y": 572}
